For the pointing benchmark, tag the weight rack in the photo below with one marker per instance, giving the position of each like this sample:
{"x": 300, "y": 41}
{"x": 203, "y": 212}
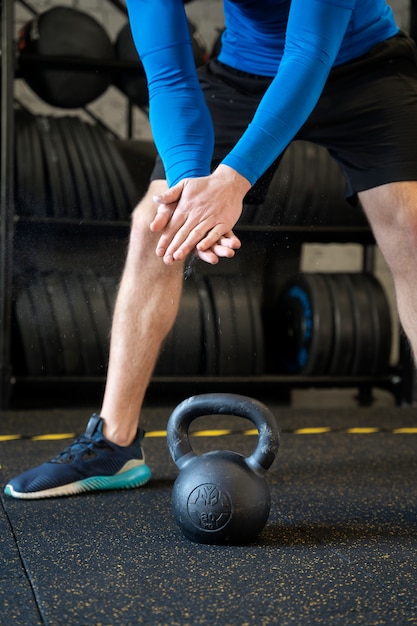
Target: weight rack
{"x": 400, "y": 380}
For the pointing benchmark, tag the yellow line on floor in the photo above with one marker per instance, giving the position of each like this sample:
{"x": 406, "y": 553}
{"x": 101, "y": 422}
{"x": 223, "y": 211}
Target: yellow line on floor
{"x": 53, "y": 437}
{"x": 153, "y": 434}
{"x": 312, "y": 431}
{"x": 211, "y": 433}
{"x": 362, "y": 431}
{"x": 405, "y": 431}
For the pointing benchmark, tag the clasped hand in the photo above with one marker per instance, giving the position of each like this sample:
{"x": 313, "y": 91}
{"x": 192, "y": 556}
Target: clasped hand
{"x": 198, "y": 214}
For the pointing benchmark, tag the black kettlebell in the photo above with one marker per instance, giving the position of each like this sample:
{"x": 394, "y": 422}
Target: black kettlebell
{"x": 221, "y": 497}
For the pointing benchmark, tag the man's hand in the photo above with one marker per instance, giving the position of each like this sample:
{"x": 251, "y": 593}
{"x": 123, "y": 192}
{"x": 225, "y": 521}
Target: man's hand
{"x": 198, "y": 214}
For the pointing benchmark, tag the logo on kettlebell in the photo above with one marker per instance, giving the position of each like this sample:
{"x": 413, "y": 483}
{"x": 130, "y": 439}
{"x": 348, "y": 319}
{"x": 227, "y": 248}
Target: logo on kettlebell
{"x": 209, "y": 507}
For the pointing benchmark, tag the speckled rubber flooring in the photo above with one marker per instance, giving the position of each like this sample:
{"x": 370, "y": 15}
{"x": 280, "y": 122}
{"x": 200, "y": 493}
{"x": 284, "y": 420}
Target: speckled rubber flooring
{"x": 339, "y": 546}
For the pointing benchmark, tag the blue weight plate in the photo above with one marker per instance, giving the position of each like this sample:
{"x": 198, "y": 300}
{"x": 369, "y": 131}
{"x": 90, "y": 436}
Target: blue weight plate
{"x": 305, "y": 326}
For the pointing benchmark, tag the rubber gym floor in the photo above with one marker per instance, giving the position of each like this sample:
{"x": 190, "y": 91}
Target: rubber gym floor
{"x": 339, "y": 546}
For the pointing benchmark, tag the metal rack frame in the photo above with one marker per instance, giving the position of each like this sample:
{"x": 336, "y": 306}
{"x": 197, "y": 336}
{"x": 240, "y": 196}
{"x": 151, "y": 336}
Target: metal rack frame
{"x": 6, "y": 198}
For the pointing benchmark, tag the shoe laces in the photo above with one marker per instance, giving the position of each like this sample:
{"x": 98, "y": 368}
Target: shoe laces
{"x": 84, "y": 444}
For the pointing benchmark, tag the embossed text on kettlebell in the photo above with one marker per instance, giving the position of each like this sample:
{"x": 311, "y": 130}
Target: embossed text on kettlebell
{"x": 209, "y": 507}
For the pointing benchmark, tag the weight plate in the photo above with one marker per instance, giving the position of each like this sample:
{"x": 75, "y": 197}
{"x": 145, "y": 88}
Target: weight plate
{"x": 28, "y": 327}
{"x": 242, "y": 317}
{"x": 272, "y": 211}
{"x": 98, "y": 183}
{"x": 23, "y": 165}
{"x": 126, "y": 181}
{"x": 188, "y": 333}
{"x": 109, "y": 200}
{"x": 305, "y": 326}
{"x": 52, "y": 168}
{"x": 226, "y": 338}
{"x": 69, "y": 195}
{"x": 308, "y": 188}
{"x": 364, "y": 325}
{"x": 65, "y": 324}
{"x": 48, "y": 329}
{"x": 297, "y": 205}
{"x": 68, "y": 128}
{"x": 383, "y": 324}
{"x": 66, "y": 33}
{"x": 117, "y": 206}
{"x": 110, "y": 286}
{"x": 258, "y": 362}
{"x": 85, "y": 333}
{"x": 95, "y": 298}
{"x": 209, "y": 344}
{"x": 310, "y": 180}
{"x": 21, "y": 172}
{"x": 93, "y": 208}
{"x": 38, "y": 168}
{"x": 138, "y": 157}
{"x": 343, "y": 340}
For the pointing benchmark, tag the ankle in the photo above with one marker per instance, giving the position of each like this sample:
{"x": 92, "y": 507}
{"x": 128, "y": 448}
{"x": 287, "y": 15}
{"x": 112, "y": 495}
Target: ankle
{"x": 120, "y": 436}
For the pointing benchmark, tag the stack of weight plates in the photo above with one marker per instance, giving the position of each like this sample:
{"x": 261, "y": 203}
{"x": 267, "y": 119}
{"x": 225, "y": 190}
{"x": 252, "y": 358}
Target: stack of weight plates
{"x": 62, "y": 322}
{"x": 335, "y": 324}
{"x": 218, "y": 330}
{"x": 67, "y": 168}
{"x": 307, "y": 189}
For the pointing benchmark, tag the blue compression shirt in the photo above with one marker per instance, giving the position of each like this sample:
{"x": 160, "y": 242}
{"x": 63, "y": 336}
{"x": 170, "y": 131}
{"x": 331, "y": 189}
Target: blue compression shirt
{"x": 297, "y": 42}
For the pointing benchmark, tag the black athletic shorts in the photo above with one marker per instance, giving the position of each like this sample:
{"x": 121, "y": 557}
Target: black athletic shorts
{"x": 366, "y": 116}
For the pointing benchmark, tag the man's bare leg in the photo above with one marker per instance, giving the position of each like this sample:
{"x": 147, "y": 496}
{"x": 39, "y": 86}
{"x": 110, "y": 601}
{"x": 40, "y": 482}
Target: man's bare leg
{"x": 145, "y": 310}
{"x": 392, "y": 213}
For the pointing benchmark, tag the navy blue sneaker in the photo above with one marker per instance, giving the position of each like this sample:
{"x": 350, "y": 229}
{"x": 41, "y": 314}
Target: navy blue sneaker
{"x": 91, "y": 463}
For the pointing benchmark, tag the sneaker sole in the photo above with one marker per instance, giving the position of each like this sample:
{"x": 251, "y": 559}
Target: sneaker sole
{"x": 135, "y": 477}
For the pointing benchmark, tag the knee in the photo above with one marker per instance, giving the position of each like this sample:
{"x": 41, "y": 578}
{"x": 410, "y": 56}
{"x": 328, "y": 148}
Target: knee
{"x": 393, "y": 218}
{"x": 141, "y": 237}
{"x": 402, "y": 232}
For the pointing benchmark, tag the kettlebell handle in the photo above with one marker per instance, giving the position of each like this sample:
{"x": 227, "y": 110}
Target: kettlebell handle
{"x": 224, "y": 404}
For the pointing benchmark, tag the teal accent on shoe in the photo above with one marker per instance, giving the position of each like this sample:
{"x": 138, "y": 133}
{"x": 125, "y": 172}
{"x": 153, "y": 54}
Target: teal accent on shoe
{"x": 135, "y": 477}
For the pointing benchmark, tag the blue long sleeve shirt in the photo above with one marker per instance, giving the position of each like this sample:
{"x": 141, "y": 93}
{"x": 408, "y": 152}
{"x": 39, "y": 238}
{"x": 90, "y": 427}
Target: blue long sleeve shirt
{"x": 296, "y": 42}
